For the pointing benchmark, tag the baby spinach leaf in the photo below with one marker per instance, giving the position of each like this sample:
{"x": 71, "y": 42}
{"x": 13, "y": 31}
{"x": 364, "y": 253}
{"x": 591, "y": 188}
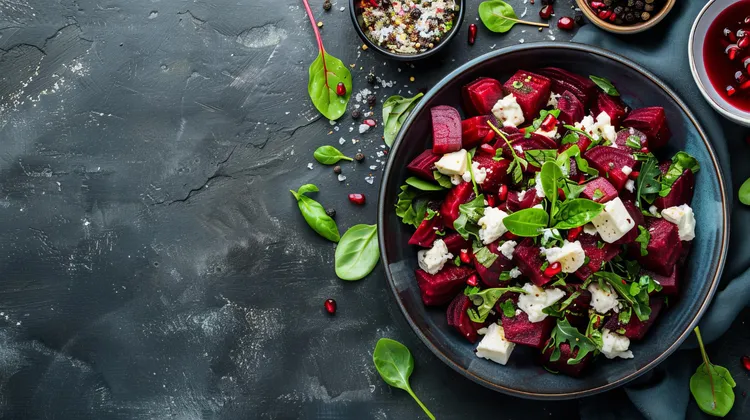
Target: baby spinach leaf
{"x": 443, "y": 180}
{"x": 566, "y": 333}
{"x": 499, "y": 16}
{"x": 712, "y": 385}
{"x": 423, "y": 185}
{"x": 643, "y": 238}
{"x": 357, "y": 253}
{"x": 395, "y": 364}
{"x": 745, "y": 192}
{"x": 527, "y": 223}
{"x": 395, "y": 111}
{"x": 605, "y": 85}
{"x": 485, "y": 301}
{"x": 538, "y": 157}
{"x": 465, "y": 227}
{"x": 328, "y": 155}
{"x": 577, "y": 212}
{"x": 550, "y": 177}
{"x": 485, "y": 257}
{"x": 680, "y": 163}
{"x": 314, "y": 213}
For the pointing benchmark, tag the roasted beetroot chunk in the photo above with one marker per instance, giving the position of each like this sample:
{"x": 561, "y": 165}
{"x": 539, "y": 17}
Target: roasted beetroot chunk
{"x": 597, "y": 255}
{"x": 652, "y": 121}
{"x": 515, "y": 203}
{"x": 521, "y": 331}
{"x": 455, "y": 243}
{"x": 446, "y": 129}
{"x": 571, "y": 108}
{"x": 682, "y": 192}
{"x": 439, "y": 289}
{"x": 423, "y": 165}
{"x": 530, "y": 262}
{"x": 664, "y": 248}
{"x": 531, "y": 92}
{"x": 562, "y": 80}
{"x": 583, "y": 144}
{"x": 497, "y": 171}
{"x": 612, "y": 105}
{"x": 534, "y": 142}
{"x": 637, "y": 329}
{"x": 669, "y": 284}
{"x": 579, "y": 309}
{"x": 457, "y": 195}
{"x": 491, "y": 275}
{"x": 426, "y": 233}
{"x": 599, "y": 190}
{"x": 636, "y": 137}
{"x": 561, "y": 364}
{"x": 481, "y": 95}
{"x": 459, "y": 319}
{"x": 475, "y": 131}
{"x": 639, "y": 220}
{"x": 609, "y": 161}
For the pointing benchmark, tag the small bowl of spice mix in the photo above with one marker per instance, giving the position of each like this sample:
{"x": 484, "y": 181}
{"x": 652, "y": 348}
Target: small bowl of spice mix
{"x": 408, "y": 29}
{"x": 625, "y": 16}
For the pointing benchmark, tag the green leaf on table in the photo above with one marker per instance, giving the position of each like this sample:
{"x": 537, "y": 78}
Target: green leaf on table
{"x": 314, "y": 213}
{"x": 326, "y": 72}
{"x": 680, "y": 163}
{"x": 423, "y": 185}
{"x": 395, "y": 365}
{"x": 605, "y": 85}
{"x": 499, "y": 16}
{"x": 643, "y": 238}
{"x": 328, "y": 155}
{"x": 577, "y": 212}
{"x": 395, "y": 111}
{"x": 527, "y": 223}
{"x": 745, "y": 192}
{"x": 712, "y": 386}
{"x": 357, "y": 253}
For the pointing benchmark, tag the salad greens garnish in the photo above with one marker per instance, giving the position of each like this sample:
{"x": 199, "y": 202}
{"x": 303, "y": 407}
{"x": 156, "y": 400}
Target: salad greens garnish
{"x": 357, "y": 253}
{"x": 508, "y": 308}
{"x": 395, "y": 364}
{"x": 638, "y": 301}
{"x": 527, "y": 223}
{"x": 485, "y": 257}
{"x": 643, "y": 238}
{"x": 499, "y": 16}
{"x": 485, "y": 301}
{"x": 469, "y": 215}
{"x": 566, "y": 333}
{"x": 395, "y": 111}
{"x": 443, "y": 180}
{"x": 518, "y": 165}
{"x": 680, "y": 163}
{"x": 577, "y": 212}
{"x": 314, "y": 213}
{"x": 538, "y": 157}
{"x": 539, "y": 120}
{"x": 712, "y": 385}
{"x": 648, "y": 183}
{"x": 411, "y": 206}
{"x": 470, "y": 169}
{"x": 633, "y": 142}
{"x": 423, "y": 185}
{"x": 605, "y": 85}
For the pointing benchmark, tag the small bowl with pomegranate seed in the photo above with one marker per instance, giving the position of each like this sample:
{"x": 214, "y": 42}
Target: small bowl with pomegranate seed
{"x": 407, "y": 29}
{"x": 625, "y": 16}
{"x": 719, "y": 52}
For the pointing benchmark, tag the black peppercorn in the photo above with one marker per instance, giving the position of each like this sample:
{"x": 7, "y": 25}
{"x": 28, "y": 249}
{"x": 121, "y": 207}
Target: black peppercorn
{"x": 639, "y": 5}
{"x": 629, "y": 17}
{"x": 415, "y": 13}
{"x": 618, "y": 10}
{"x": 631, "y": 3}
{"x": 331, "y": 212}
{"x": 359, "y": 157}
{"x": 580, "y": 21}
{"x": 327, "y": 5}
{"x": 356, "y": 114}
{"x": 371, "y": 99}
{"x": 337, "y": 169}
{"x": 370, "y": 78}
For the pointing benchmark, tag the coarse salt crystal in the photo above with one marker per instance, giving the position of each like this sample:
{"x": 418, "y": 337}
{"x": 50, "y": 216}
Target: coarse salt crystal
{"x": 370, "y": 179}
{"x": 332, "y": 122}
{"x": 373, "y": 167}
{"x": 342, "y": 178}
{"x": 363, "y": 128}
{"x": 309, "y": 165}
{"x": 342, "y": 140}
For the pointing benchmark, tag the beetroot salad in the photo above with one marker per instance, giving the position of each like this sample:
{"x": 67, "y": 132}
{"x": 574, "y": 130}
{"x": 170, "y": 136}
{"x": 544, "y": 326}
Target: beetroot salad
{"x": 545, "y": 218}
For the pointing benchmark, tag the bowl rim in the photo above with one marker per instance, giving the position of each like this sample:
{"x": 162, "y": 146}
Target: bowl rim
{"x": 621, "y": 29}
{"x": 736, "y": 117}
{"x": 408, "y": 57}
{"x": 724, "y": 231}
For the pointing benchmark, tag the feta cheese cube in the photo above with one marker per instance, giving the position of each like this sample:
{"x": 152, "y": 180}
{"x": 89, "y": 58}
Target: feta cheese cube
{"x": 684, "y": 218}
{"x": 434, "y": 259}
{"x": 491, "y": 226}
{"x": 514, "y": 273}
{"x": 508, "y": 111}
{"x": 627, "y": 170}
{"x": 494, "y": 346}
{"x": 614, "y": 221}
{"x": 604, "y": 299}
{"x": 538, "y": 185}
{"x": 453, "y": 163}
{"x": 615, "y": 345}
{"x": 551, "y": 134}
{"x": 601, "y": 128}
{"x": 552, "y": 101}
{"x": 507, "y": 249}
{"x": 589, "y": 229}
{"x": 630, "y": 185}
{"x": 536, "y": 299}
{"x": 480, "y": 174}
{"x": 570, "y": 256}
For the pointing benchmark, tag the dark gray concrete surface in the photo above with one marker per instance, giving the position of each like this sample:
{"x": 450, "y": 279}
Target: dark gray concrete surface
{"x": 154, "y": 264}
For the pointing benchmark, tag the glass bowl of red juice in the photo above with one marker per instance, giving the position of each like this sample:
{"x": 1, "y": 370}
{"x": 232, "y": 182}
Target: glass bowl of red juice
{"x": 719, "y": 51}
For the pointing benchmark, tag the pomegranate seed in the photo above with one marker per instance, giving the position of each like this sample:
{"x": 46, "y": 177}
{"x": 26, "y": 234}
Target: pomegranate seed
{"x": 491, "y": 200}
{"x": 510, "y": 236}
{"x": 612, "y": 17}
{"x": 472, "y": 33}
{"x": 465, "y": 256}
{"x": 739, "y": 77}
{"x": 731, "y": 90}
{"x": 553, "y": 270}
{"x": 604, "y": 14}
{"x": 488, "y": 149}
{"x": 731, "y": 51}
{"x": 546, "y": 11}
{"x": 565, "y": 23}
{"x": 489, "y": 137}
{"x": 598, "y": 5}
{"x": 644, "y": 149}
{"x": 561, "y": 193}
{"x": 374, "y": 3}
{"x": 746, "y": 362}
{"x": 730, "y": 35}
{"x": 634, "y": 175}
{"x": 340, "y": 89}
{"x": 746, "y": 20}
{"x": 358, "y": 199}
{"x": 623, "y": 281}
{"x": 573, "y": 233}
{"x": 744, "y": 42}
{"x": 370, "y": 122}
{"x": 549, "y": 123}
{"x": 473, "y": 280}
{"x": 330, "y": 305}
{"x": 502, "y": 193}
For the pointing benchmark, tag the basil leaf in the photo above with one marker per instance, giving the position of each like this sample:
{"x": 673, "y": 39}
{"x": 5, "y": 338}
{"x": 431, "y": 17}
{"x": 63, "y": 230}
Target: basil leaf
{"x": 443, "y": 180}
{"x": 485, "y": 257}
{"x": 577, "y": 212}
{"x": 395, "y": 111}
{"x": 643, "y": 238}
{"x": 357, "y": 253}
{"x": 314, "y": 213}
{"x": 680, "y": 163}
{"x": 485, "y": 301}
{"x": 605, "y": 85}
{"x": 499, "y": 16}
{"x": 538, "y": 157}
{"x": 326, "y": 72}
{"x": 745, "y": 192}
{"x": 549, "y": 176}
{"x": 711, "y": 385}
{"x": 423, "y": 185}
{"x": 395, "y": 364}
{"x": 527, "y": 223}
{"x": 328, "y": 155}
{"x": 566, "y": 333}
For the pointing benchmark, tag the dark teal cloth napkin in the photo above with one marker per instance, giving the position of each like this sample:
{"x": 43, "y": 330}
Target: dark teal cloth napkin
{"x": 663, "y": 393}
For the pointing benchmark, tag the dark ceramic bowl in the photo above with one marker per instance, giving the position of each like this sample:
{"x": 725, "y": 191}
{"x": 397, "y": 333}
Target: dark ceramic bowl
{"x": 522, "y": 376}
{"x": 355, "y": 11}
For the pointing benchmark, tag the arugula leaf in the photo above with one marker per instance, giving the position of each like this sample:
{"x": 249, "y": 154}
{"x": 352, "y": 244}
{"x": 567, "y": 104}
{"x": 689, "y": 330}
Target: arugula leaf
{"x": 639, "y": 303}
{"x": 680, "y": 163}
{"x": 485, "y": 257}
{"x": 643, "y": 238}
{"x": 594, "y": 141}
{"x": 566, "y": 333}
{"x": 485, "y": 301}
{"x": 592, "y": 330}
{"x": 518, "y": 165}
{"x": 605, "y": 85}
{"x": 559, "y": 308}
{"x": 570, "y": 138}
{"x": 508, "y": 308}
{"x": 471, "y": 290}
{"x": 648, "y": 182}
{"x": 443, "y": 180}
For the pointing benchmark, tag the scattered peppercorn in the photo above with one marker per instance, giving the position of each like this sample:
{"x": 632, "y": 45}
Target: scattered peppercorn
{"x": 371, "y": 99}
{"x": 639, "y": 5}
{"x": 331, "y": 212}
{"x": 327, "y": 5}
{"x": 625, "y": 12}
{"x": 415, "y": 13}
{"x": 580, "y": 21}
{"x": 356, "y": 114}
{"x": 337, "y": 169}
{"x": 359, "y": 157}
{"x": 370, "y": 78}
